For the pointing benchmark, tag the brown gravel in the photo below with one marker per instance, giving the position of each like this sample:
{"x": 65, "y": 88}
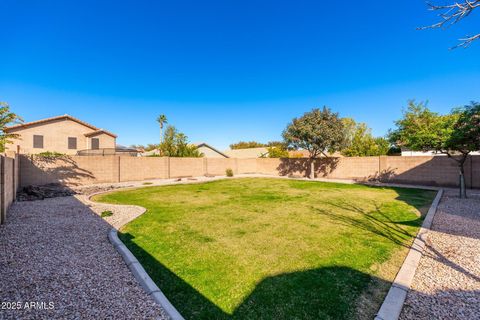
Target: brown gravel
{"x": 57, "y": 251}
{"x": 447, "y": 280}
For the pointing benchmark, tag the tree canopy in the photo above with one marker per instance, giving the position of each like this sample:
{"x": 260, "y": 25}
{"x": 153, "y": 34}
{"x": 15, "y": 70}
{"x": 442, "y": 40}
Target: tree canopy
{"x": 175, "y": 144}
{"x": 318, "y": 131}
{"x": 277, "y": 152}
{"x": 247, "y": 145}
{"x": 7, "y": 118}
{"x": 421, "y": 129}
{"x": 455, "y": 134}
{"x": 359, "y": 141}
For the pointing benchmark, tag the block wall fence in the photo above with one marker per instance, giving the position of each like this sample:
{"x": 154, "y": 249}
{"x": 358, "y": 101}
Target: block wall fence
{"x": 9, "y": 183}
{"x": 77, "y": 170}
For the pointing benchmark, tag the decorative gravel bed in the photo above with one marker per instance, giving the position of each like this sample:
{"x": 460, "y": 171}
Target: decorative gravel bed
{"x": 57, "y": 251}
{"x": 447, "y": 281}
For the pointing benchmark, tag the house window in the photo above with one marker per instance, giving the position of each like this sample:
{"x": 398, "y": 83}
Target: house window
{"x": 95, "y": 144}
{"x": 72, "y": 143}
{"x": 38, "y": 141}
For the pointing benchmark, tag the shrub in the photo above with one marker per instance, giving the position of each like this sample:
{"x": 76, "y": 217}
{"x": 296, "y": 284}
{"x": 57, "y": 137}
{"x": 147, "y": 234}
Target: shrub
{"x": 229, "y": 172}
{"x": 50, "y": 154}
{"x": 106, "y": 213}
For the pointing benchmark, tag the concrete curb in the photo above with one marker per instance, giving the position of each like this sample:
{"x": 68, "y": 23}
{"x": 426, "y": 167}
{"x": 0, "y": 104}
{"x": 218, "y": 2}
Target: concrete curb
{"x": 393, "y": 303}
{"x": 142, "y": 277}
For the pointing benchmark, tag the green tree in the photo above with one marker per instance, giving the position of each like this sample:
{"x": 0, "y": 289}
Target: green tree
{"x": 359, "y": 141}
{"x": 175, "y": 144}
{"x": 455, "y": 134}
{"x": 151, "y": 146}
{"x": 162, "y": 120}
{"x": 7, "y": 118}
{"x": 280, "y": 144}
{"x": 246, "y": 145}
{"x": 277, "y": 152}
{"x": 318, "y": 132}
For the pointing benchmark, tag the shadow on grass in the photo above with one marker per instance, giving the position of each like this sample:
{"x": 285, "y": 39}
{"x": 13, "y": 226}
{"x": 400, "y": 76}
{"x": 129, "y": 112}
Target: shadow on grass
{"x": 324, "y": 293}
{"x": 378, "y": 221}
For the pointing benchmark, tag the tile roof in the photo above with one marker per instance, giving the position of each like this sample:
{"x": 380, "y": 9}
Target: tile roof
{"x": 88, "y": 134}
{"x": 200, "y": 144}
{"x": 65, "y": 116}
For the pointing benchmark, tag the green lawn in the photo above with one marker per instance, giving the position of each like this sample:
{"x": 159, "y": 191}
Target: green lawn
{"x": 258, "y": 248}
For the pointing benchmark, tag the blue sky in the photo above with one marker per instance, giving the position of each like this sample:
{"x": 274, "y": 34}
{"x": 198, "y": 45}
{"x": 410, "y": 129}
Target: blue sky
{"x": 224, "y": 71}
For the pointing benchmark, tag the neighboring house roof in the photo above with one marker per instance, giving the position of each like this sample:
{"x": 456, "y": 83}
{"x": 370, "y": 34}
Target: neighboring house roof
{"x": 203, "y": 144}
{"x": 64, "y": 117}
{"x": 94, "y": 133}
{"x": 247, "y": 153}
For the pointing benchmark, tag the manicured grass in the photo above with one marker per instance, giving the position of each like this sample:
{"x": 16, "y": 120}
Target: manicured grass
{"x": 272, "y": 248}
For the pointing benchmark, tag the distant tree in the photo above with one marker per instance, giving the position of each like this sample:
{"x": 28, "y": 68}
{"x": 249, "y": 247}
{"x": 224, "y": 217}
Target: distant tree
{"x": 175, "y": 144}
{"x": 318, "y": 131}
{"x": 452, "y": 13}
{"x": 455, "y": 134}
{"x": 280, "y": 144}
{"x": 137, "y": 146}
{"x": 359, "y": 141}
{"x": 349, "y": 127}
{"x": 246, "y": 145}
{"x": 277, "y": 152}
{"x": 7, "y": 118}
{"x": 151, "y": 146}
{"x": 162, "y": 120}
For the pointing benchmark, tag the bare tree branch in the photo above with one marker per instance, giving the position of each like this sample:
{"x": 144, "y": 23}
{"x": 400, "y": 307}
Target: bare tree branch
{"x": 451, "y": 14}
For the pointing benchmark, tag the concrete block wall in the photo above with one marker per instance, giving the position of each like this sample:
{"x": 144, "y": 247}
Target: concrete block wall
{"x": 69, "y": 170}
{"x": 474, "y": 172}
{"x": 361, "y": 168}
{"x": 247, "y": 166}
{"x": 186, "y": 167}
{"x": 75, "y": 170}
{"x": 218, "y": 166}
{"x": 436, "y": 171}
{"x": 9, "y": 175}
{"x": 134, "y": 169}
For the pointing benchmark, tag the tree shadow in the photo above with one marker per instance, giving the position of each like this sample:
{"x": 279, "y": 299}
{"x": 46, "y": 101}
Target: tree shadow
{"x": 47, "y": 170}
{"x": 323, "y": 293}
{"x": 301, "y": 167}
{"x": 375, "y": 221}
{"x": 379, "y": 223}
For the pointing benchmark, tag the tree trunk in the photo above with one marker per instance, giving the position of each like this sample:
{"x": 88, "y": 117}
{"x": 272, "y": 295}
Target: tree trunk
{"x": 463, "y": 188}
{"x": 312, "y": 168}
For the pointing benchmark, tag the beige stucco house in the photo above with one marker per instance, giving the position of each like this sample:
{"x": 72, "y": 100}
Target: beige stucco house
{"x": 247, "y": 153}
{"x": 64, "y": 134}
{"x": 208, "y": 151}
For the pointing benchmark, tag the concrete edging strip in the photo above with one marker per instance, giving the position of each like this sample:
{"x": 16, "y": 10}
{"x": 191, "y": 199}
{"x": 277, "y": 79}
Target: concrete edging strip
{"x": 393, "y": 304}
{"x": 142, "y": 277}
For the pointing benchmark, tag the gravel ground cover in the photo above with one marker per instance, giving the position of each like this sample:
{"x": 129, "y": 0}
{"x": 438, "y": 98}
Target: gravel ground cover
{"x": 56, "y": 251}
{"x": 447, "y": 280}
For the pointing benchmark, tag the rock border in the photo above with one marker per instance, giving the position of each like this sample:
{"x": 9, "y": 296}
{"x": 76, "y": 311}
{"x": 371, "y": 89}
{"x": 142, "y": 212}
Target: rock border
{"x": 393, "y": 304}
{"x": 136, "y": 267}
{"x": 142, "y": 277}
